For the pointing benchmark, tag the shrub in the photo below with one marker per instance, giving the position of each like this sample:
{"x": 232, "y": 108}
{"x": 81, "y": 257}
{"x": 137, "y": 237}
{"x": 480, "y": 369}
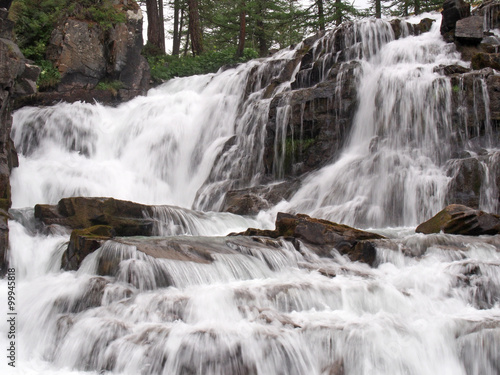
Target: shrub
{"x": 49, "y": 76}
{"x": 165, "y": 67}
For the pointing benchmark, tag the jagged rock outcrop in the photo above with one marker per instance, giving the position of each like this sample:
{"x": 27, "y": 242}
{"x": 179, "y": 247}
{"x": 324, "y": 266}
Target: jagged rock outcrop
{"x": 87, "y": 53}
{"x": 17, "y": 78}
{"x": 459, "y": 219}
{"x": 322, "y": 236}
{"x": 317, "y": 115}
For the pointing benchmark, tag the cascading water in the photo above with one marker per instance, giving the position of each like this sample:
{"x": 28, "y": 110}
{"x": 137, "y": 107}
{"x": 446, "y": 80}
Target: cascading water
{"x": 430, "y": 306}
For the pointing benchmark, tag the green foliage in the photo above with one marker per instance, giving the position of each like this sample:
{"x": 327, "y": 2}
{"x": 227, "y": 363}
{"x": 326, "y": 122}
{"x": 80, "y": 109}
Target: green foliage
{"x": 165, "y": 67}
{"x": 112, "y": 86}
{"x": 49, "y": 76}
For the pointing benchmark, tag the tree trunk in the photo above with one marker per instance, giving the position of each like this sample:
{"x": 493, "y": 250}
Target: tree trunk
{"x": 176, "y": 43}
{"x": 162, "y": 26}
{"x": 417, "y": 6}
{"x": 195, "y": 27}
{"x": 242, "y": 36}
{"x": 321, "y": 14}
{"x": 260, "y": 31}
{"x": 186, "y": 46}
{"x": 338, "y": 12}
{"x": 378, "y": 9}
{"x": 154, "y": 28}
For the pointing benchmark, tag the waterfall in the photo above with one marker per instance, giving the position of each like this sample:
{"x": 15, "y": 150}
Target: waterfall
{"x": 226, "y": 305}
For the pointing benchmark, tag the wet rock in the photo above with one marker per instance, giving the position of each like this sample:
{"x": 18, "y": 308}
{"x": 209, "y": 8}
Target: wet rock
{"x": 459, "y": 219}
{"x": 322, "y": 236}
{"x": 251, "y": 201}
{"x": 319, "y": 122}
{"x": 84, "y": 242}
{"x": 126, "y": 218}
{"x": 465, "y": 186}
{"x": 449, "y": 70}
{"x": 453, "y": 10}
{"x": 470, "y": 30}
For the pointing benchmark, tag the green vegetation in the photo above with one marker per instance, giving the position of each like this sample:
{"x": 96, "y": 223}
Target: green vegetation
{"x": 165, "y": 67}
{"x": 49, "y": 76}
{"x": 112, "y": 86}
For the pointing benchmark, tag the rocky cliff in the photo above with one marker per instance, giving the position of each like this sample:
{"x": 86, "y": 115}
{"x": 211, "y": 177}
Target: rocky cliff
{"x": 98, "y": 61}
{"x": 17, "y": 78}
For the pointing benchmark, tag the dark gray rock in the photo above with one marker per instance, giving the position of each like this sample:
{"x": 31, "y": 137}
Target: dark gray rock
{"x": 453, "y": 10}
{"x": 470, "y": 30}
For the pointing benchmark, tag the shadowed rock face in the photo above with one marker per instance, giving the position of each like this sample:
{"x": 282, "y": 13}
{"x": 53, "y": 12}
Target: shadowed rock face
{"x": 17, "y": 78}
{"x": 458, "y": 219}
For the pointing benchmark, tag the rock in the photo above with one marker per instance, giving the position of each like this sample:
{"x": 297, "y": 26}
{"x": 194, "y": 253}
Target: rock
{"x": 459, "y": 219}
{"x": 321, "y": 236}
{"x": 126, "y": 218}
{"x": 87, "y": 53}
{"x": 251, "y": 201}
{"x": 84, "y": 242}
{"x": 470, "y": 30}
{"x": 453, "y": 10}
{"x": 449, "y": 70}
{"x": 465, "y": 185}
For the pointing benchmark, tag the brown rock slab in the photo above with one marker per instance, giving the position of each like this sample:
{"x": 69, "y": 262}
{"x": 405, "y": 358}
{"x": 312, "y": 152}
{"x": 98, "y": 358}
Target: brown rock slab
{"x": 459, "y": 219}
{"x": 322, "y": 236}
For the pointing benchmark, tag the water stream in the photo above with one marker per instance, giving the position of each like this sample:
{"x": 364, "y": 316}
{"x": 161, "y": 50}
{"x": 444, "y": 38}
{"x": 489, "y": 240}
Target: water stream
{"x": 430, "y": 306}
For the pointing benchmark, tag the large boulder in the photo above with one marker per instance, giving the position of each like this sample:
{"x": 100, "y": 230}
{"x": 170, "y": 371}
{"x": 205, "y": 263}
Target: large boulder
{"x": 470, "y": 30}
{"x": 459, "y": 219}
{"x": 322, "y": 236}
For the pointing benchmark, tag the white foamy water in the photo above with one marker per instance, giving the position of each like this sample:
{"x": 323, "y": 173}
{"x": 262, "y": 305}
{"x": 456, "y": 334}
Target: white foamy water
{"x": 430, "y": 306}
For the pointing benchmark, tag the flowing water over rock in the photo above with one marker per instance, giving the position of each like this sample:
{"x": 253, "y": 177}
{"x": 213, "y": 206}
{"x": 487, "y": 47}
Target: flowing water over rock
{"x": 430, "y": 304}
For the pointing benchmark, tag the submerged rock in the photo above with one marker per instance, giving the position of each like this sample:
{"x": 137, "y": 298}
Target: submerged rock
{"x": 459, "y": 219}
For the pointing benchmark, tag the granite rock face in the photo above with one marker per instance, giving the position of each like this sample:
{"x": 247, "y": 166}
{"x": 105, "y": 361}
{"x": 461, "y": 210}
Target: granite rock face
{"x": 87, "y": 53}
